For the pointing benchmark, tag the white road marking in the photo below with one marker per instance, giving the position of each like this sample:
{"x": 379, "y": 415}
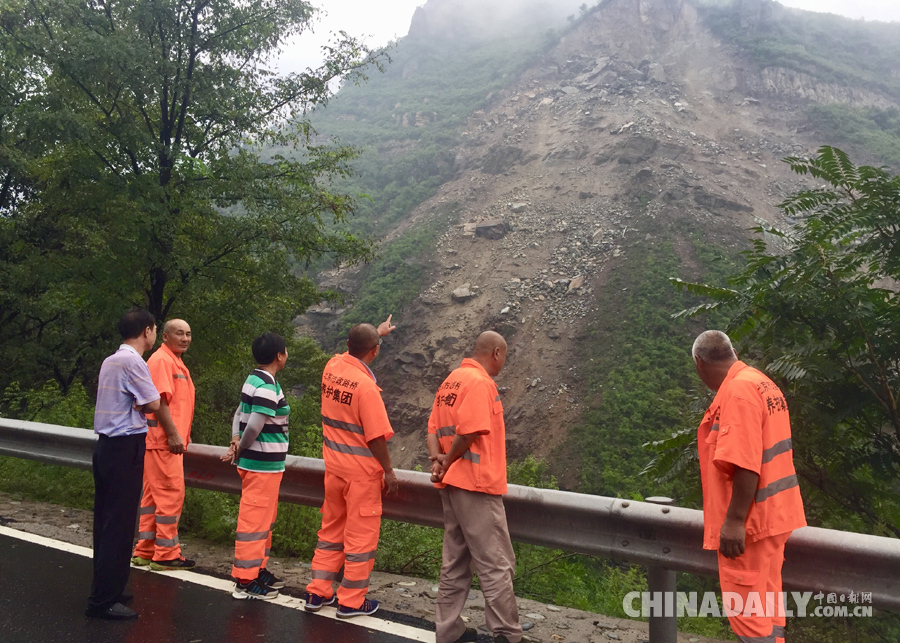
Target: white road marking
{"x": 370, "y": 622}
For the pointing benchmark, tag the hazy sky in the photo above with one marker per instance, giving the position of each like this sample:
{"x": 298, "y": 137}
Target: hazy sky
{"x": 380, "y": 22}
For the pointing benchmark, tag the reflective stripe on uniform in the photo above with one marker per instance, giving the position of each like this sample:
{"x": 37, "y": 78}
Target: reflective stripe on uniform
{"x": 167, "y": 520}
{"x": 167, "y": 542}
{"x": 355, "y": 584}
{"x": 360, "y": 558}
{"x": 247, "y": 564}
{"x": 756, "y": 639}
{"x": 147, "y": 510}
{"x": 714, "y": 427}
{"x": 324, "y": 545}
{"x": 474, "y": 458}
{"x": 343, "y": 426}
{"x": 346, "y": 448}
{"x": 444, "y": 431}
{"x": 777, "y": 449}
{"x": 147, "y": 535}
{"x": 251, "y": 536}
{"x": 776, "y": 487}
{"x": 325, "y": 575}
{"x": 778, "y": 631}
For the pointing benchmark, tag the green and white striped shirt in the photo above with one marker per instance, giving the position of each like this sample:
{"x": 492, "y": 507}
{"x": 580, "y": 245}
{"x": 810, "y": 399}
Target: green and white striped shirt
{"x": 262, "y": 394}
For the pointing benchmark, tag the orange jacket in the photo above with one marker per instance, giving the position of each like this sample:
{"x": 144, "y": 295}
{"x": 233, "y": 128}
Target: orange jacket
{"x": 468, "y": 402}
{"x": 173, "y": 381}
{"x": 748, "y": 426}
{"x": 353, "y": 415}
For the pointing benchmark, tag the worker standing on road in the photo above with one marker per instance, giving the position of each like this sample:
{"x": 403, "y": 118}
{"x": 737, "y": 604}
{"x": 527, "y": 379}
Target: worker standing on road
{"x": 467, "y": 448}
{"x": 355, "y": 429}
{"x": 259, "y": 446}
{"x": 168, "y": 436}
{"x": 125, "y": 392}
{"x": 751, "y": 497}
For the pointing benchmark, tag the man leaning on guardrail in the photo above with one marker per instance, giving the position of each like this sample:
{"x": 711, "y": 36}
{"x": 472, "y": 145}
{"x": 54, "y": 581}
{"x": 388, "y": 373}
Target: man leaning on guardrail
{"x": 125, "y": 392}
{"x": 467, "y": 448}
{"x": 167, "y": 438}
{"x": 751, "y": 497}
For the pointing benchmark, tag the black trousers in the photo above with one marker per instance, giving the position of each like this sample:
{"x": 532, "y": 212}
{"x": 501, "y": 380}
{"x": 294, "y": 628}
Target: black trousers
{"x": 118, "y": 479}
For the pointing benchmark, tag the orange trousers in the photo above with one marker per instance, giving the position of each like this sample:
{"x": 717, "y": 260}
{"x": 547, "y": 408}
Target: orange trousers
{"x": 756, "y": 577}
{"x": 161, "y": 506}
{"x": 351, "y": 521}
{"x": 256, "y": 518}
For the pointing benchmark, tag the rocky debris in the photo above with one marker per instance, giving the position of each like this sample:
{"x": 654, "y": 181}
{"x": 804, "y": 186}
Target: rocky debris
{"x": 463, "y": 294}
{"x": 493, "y": 229}
{"x": 518, "y": 208}
{"x": 575, "y": 284}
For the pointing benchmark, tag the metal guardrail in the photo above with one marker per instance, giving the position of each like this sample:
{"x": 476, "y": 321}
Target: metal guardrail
{"x": 670, "y": 538}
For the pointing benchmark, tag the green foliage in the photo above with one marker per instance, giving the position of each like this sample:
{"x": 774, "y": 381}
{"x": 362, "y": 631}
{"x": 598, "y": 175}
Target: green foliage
{"x": 817, "y": 304}
{"x": 410, "y": 549}
{"x": 49, "y": 405}
{"x": 638, "y": 376}
{"x": 131, "y": 172}
{"x": 44, "y": 482}
{"x": 389, "y": 284}
{"x": 870, "y": 130}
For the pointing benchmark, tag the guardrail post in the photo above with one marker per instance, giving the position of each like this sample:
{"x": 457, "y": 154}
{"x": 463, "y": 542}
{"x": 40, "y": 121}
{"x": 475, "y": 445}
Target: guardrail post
{"x": 661, "y": 584}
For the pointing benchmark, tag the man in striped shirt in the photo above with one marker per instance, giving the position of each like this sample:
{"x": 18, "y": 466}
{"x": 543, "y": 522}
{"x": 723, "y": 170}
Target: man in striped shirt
{"x": 259, "y": 446}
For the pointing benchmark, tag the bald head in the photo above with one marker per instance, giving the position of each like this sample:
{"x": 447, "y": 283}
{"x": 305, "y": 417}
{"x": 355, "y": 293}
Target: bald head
{"x": 362, "y": 339}
{"x": 177, "y": 335}
{"x": 490, "y": 351}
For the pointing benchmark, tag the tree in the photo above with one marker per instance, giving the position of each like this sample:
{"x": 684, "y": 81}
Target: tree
{"x": 818, "y": 305}
{"x": 133, "y": 170}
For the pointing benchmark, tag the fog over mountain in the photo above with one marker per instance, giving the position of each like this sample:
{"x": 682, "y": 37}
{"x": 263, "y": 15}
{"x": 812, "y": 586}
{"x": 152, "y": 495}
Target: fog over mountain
{"x": 477, "y": 19}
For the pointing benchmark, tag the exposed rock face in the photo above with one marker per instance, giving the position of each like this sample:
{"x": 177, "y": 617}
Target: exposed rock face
{"x": 418, "y": 28}
{"x": 778, "y": 82}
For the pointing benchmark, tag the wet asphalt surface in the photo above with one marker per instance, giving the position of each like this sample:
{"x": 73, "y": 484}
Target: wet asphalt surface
{"x": 43, "y": 595}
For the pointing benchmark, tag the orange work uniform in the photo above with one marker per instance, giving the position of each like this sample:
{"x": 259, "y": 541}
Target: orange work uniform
{"x": 476, "y": 535}
{"x": 748, "y": 426}
{"x": 353, "y": 415}
{"x": 164, "y": 471}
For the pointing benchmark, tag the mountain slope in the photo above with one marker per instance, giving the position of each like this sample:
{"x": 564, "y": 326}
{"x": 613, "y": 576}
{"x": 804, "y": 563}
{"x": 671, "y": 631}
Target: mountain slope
{"x": 640, "y": 140}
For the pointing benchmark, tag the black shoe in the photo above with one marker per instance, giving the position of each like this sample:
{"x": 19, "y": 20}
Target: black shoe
{"x": 268, "y": 578}
{"x": 176, "y": 563}
{"x": 115, "y": 612}
{"x": 253, "y": 590}
{"x": 469, "y": 636}
{"x": 126, "y": 597}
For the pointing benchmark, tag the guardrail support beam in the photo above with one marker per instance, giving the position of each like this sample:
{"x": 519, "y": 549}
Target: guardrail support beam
{"x": 661, "y": 583}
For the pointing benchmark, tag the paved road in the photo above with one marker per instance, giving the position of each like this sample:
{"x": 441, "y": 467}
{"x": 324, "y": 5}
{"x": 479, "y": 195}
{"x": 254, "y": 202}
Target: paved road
{"x": 43, "y": 596}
